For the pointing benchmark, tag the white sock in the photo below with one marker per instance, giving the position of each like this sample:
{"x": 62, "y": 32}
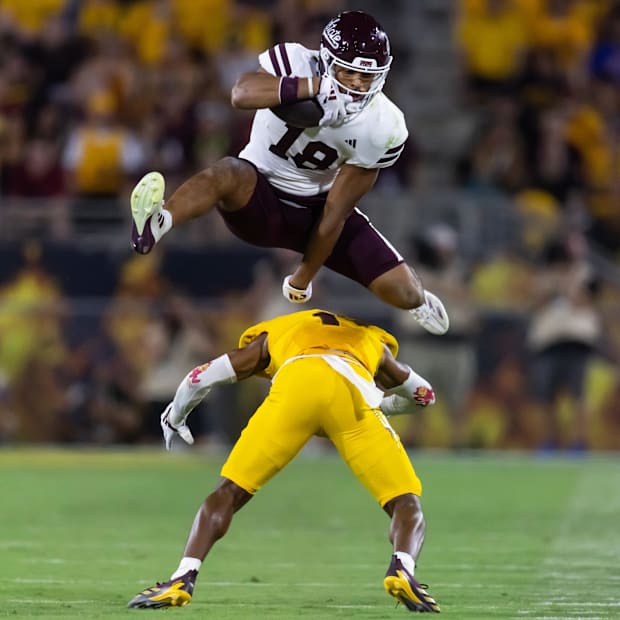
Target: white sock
{"x": 406, "y": 559}
{"x": 185, "y": 565}
{"x": 161, "y": 223}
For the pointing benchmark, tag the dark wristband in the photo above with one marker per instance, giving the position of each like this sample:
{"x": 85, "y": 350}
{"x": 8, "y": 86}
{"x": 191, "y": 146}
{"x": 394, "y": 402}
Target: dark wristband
{"x": 288, "y": 89}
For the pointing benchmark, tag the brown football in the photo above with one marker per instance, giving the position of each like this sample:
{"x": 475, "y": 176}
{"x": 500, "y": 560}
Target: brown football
{"x": 305, "y": 113}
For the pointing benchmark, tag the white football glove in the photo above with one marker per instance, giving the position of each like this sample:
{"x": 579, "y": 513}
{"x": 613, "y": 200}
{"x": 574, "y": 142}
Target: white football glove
{"x": 432, "y": 315}
{"x": 395, "y": 404}
{"x": 296, "y": 295}
{"x": 170, "y": 431}
{"x": 332, "y": 101}
{"x": 414, "y": 392}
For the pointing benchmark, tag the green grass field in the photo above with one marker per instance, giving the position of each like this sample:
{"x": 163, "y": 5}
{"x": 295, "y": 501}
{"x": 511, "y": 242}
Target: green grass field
{"x": 508, "y": 537}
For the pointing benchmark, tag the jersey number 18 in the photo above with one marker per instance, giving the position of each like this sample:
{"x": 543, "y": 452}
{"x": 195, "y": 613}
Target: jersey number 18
{"x": 315, "y": 155}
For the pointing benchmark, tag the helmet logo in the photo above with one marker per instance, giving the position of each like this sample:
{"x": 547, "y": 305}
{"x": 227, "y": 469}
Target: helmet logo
{"x": 364, "y": 63}
{"x": 332, "y": 34}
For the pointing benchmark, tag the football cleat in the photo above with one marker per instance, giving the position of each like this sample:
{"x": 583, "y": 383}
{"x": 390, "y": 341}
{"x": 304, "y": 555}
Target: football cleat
{"x": 147, "y": 198}
{"x": 404, "y": 588}
{"x": 173, "y": 593}
{"x": 432, "y": 315}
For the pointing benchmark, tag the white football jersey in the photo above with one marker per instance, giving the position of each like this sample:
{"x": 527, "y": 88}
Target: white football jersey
{"x": 305, "y": 162}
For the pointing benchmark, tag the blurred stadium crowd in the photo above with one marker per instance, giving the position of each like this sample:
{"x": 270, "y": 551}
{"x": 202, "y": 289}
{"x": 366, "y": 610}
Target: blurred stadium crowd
{"x": 507, "y": 198}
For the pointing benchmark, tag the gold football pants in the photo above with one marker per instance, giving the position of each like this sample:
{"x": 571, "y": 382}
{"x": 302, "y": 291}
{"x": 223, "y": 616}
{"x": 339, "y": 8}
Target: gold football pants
{"x": 309, "y": 398}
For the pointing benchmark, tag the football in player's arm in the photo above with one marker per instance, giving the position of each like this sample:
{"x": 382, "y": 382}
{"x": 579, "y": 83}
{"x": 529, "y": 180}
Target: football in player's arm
{"x": 298, "y": 187}
{"x": 342, "y": 360}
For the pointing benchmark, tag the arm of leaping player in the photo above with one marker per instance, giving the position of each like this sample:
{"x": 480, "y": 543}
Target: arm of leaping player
{"x": 351, "y": 184}
{"x": 259, "y": 89}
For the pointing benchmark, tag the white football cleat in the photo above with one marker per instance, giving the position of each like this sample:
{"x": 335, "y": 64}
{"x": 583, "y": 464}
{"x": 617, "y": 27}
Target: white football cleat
{"x": 432, "y": 315}
{"x": 147, "y": 199}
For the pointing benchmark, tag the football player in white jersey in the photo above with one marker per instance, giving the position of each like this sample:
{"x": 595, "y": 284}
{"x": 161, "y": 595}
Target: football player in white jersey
{"x": 297, "y": 188}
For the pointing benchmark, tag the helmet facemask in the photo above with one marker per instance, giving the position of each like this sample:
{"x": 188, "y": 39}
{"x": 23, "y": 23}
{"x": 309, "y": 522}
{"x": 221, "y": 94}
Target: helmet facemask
{"x": 360, "y": 98}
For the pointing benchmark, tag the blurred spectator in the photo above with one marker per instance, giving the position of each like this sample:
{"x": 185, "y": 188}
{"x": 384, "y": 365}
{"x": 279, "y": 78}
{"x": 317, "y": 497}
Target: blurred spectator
{"x": 214, "y": 140}
{"x": 109, "y": 69}
{"x": 38, "y": 174}
{"x": 8, "y": 420}
{"x": 81, "y": 379}
{"x": 115, "y": 413}
{"x": 255, "y": 23}
{"x": 17, "y": 79}
{"x": 541, "y": 219}
{"x": 39, "y": 403}
{"x": 561, "y": 29}
{"x": 497, "y": 416}
{"x": 124, "y": 357}
{"x": 98, "y": 17}
{"x": 11, "y": 147}
{"x": 32, "y": 349}
{"x": 54, "y": 55}
{"x": 148, "y": 25}
{"x": 171, "y": 92}
{"x": 203, "y": 34}
{"x": 555, "y": 166}
{"x": 30, "y": 17}
{"x": 449, "y": 362}
{"x": 177, "y": 341}
{"x": 564, "y": 332}
{"x": 542, "y": 86}
{"x": 605, "y": 432}
{"x": 493, "y": 38}
{"x": 31, "y": 307}
{"x": 140, "y": 286}
{"x": 593, "y": 130}
{"x": 232, "y": 60}
{"x": 490, "y": 277}
{"x": 99, "y": 156}
{"x": 604, "y": 61}
{"x": 496, "y": 157}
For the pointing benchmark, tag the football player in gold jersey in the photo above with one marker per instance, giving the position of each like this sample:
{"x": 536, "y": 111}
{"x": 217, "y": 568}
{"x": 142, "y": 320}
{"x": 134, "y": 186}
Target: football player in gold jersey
{"x": 328, "y": 375}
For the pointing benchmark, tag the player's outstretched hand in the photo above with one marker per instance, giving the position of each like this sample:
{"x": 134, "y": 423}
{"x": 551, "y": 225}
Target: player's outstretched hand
{"x": 170, "y": 431}
{"x": 332, "y": 101}
{"x": 395, "y": 404}
{"x": 296, "y": 295}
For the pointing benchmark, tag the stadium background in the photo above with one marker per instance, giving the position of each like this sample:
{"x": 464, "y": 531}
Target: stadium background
{"x": 506, "y": 196}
